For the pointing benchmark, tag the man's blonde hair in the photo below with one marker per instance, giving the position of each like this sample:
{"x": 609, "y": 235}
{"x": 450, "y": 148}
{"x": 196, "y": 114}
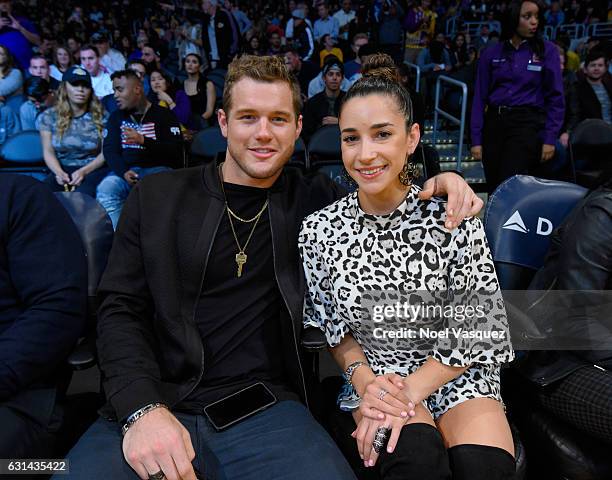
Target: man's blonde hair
{"x": 267, "y": 69}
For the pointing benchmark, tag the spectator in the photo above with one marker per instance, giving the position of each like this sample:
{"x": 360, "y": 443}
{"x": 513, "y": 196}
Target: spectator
{"x": 142, "y": 139}
{"x": 74, "y": 45}
{"x": 43, "y": 298}
{"x": 254, "y": 46}
{"x": 165, "y": 95}
{"x": 323, "y": 108}
{"x": 304, "y": 71}
{"x": 354, "y": 66}
{"x": 274, "y": 43}
{"x": 217, "y": 35}
{"x": 141, "y": 40}
{"x": 200, "y": 91}
{"x": 11, "y": 79}
{"x": 9, "y": 122}
{"x": 390, "y": 31}
{"x": 125, "y": 45}
{"x": 520, "y": 81}
{"x": 62, "y": 61}
{"x": 420, "y": 23}
{"x": 140, "y": 69}
{"x": 90, "y": 60}
{"x": 71, "y": 135}
{"x": 36, "y": 91}
{"x": 459, "y": 55}
{"x": 303, "y": 7}
{"x": 592, "y": 95}
{"x": 18, "y": 34}
{"x": 576, "y": 386}
{"x": 329, "y": 48}
{"x": 39, "y": 67}
{"x": 345, "y": 16}
{"x": 434, "y": 58}
{"x": 190, "y": 39}
{"x": 325, "y": 24}
{"x": 110, "y": 59}
{"x": 303, "y": 38}
{"x": 47, "y": 44}
{"x": 555, "y": 16}
{"x": 244, "y": 22}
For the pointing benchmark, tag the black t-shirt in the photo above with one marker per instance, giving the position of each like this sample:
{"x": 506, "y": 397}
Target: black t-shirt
{"x": 239, "y": 318}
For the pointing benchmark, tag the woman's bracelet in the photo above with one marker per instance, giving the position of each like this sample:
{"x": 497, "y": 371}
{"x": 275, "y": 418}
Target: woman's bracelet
{"x": 350, "y": 370}
{"x": 138, "y": 414}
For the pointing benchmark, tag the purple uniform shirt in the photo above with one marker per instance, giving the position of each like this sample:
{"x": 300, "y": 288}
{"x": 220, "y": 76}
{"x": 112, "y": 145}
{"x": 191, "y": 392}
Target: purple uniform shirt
{"x": 516, "y": 77}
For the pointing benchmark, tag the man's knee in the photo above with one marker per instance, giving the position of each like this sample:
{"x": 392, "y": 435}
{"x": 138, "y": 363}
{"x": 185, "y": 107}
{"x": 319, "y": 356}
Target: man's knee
{"x": 22, "y": 437}
{"x": 110, "y": 186}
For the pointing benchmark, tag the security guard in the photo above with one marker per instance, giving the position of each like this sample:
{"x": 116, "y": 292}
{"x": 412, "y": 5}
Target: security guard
{"x": 518, "y": 103}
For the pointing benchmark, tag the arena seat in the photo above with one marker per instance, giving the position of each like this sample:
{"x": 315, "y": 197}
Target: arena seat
{"x": 207, "y": 145}
{"x": 590, "y": 145}
{"x": 325, "y": 155}
{"x": 22, "y": 153}
{"x": 521, "y": 214}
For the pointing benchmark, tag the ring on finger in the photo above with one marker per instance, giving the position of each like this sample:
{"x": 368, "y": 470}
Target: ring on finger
{"x": 382, "y": 393}
{"x": 157, "y": 476}
{"x": 381, "y": 438}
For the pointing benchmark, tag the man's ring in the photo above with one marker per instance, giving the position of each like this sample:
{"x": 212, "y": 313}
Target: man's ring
{"x": 157, "y": 476}
{"x": 382, "y": 393}
{"x": 381, "y": 438}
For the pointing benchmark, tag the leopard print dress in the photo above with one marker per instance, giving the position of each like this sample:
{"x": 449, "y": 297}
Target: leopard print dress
{"x": 347, "y": 253}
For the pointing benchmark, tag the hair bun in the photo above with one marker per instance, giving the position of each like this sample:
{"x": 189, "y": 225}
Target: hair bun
{"x": 381, "y": 65}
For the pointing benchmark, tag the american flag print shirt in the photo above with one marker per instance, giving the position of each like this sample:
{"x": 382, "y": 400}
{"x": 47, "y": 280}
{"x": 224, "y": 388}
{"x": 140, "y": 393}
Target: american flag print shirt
{"x": 147, "y": 130}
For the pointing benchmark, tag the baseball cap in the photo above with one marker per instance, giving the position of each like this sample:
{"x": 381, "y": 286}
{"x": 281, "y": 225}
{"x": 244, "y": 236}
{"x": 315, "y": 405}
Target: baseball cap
{"x": 298, "y": 13}
{"x": 75, "y": 74}
{"x": 99, "y": 37}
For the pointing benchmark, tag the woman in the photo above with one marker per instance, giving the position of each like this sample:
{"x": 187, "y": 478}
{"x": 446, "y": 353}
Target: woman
{"x": 62, "y": 61}
{"x": 383, "y": 237}
{"x": 201, "y": 92}
{"x": 71, "y": 134}
{"x": 459, "y": 54}
{"x": 167, "y": 96}
{"x": 254, "y": 46}
{"x": 11, "y": 79}
{"x": 520, "y": 87}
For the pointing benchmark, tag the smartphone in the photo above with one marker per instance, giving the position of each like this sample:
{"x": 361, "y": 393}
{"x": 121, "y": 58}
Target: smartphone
{"x": 239, "y": 405}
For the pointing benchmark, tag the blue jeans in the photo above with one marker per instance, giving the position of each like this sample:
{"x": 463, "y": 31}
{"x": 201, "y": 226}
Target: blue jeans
{"x": 113, "y": 190}
{"x": 282, "y": 442}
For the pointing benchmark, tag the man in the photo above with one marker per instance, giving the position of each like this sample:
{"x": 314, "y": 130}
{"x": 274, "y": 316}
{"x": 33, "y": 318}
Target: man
{"x": 325, "y": 23}
{"x": 243, "y": 21}
{"x": 192, "y": 311}
{"x": 18, "y": 34}
{"x": 303, "y": 70}
{"x": 217, "y": 35}
{"x": 47, "y": 44}
{"x": 101, "y": 81}
{"x": 303, "y": 8}
{"x": 323, "y": 108}
{"x": 317, "y": 84}
{"x": 274, "y": 43}
{"x": 344, "y": 17}
{"x": 354, "y": 66}
{"x": 591, "y": 96}
{"x": 110, "y": 59}
{"x": 483, "y": 38}
{"x": 142, "y": 138}
{"x": 39, "y": 67}
{"x": 43, "y": 298}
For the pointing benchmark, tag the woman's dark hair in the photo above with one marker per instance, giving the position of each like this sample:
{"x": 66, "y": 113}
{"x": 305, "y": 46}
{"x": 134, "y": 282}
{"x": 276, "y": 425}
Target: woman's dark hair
{"x": 8, "y": 66}
{"x": 381, "y": 77}
{"x": 170, "y": 88}
{"x": 513, "y": 18}
{"x": 461, "y": 52}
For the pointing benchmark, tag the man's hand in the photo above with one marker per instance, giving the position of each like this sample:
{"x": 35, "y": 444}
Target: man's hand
{"x": 462, "y": 201}
{"x": 132, "y": 137}
{"x": 329, "y": 120}
{"x": 158, "y": 441}
{"x": 477, "y": 152}
{"x": 131, "y": 177}
{"x": 547, "y": 152}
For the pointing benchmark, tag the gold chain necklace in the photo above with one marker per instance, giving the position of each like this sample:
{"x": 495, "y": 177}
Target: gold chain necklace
{"x": 241, "y": 256}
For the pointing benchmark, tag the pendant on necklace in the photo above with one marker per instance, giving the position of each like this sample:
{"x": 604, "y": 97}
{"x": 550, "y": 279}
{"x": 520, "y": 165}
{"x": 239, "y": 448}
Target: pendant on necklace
{"x": 241, "y": 259}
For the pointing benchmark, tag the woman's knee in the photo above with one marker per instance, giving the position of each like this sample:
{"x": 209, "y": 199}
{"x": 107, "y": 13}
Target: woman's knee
{"x": 420, "y": 453}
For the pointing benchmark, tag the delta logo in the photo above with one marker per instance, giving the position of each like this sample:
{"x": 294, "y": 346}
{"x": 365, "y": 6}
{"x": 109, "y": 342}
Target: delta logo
{"x": 516, "y": 223}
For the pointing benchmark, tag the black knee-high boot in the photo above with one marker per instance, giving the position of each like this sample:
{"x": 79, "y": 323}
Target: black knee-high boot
{"x": 481, "y": 462}
{"x": 420, "y": 455}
